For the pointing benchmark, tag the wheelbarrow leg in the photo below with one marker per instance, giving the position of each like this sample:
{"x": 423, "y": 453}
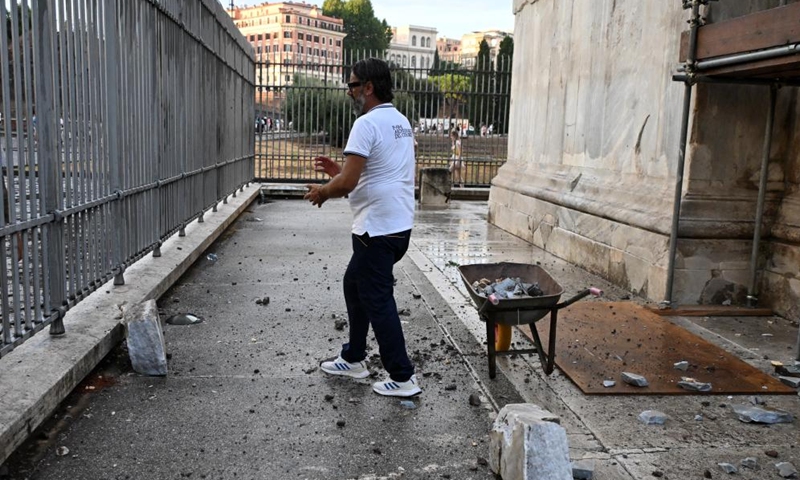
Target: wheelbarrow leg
{"x": 490, "y": 348}
{"x": 537, "y": 341}
{"x": 551, "y": 344}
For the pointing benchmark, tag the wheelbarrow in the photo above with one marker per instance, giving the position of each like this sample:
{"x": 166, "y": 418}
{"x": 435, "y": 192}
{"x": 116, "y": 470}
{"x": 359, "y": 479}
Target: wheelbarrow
{"x": 501, "y": 314}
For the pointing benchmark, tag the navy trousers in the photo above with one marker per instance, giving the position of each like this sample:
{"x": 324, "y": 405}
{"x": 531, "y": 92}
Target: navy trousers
{"x": 369, "y": 295}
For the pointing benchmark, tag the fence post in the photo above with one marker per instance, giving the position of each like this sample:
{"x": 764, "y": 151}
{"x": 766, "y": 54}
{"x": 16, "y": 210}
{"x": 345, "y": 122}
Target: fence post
{"x": 48, "y": 163}
{"x": 112, "y": 128}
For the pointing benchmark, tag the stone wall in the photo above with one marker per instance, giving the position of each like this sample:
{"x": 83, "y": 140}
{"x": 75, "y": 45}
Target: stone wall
{"x": 593, "y": 152}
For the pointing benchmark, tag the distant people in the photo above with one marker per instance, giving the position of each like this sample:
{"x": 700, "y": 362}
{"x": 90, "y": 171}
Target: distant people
{"x": 490, "y": 129}
{"x": 483, "y": 129}
{"x": 456, "y": 163}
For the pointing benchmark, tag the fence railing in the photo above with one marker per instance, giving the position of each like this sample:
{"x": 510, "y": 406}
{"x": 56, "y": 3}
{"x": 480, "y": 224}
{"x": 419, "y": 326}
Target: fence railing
{"x": 122, "y": 121}
{"x": 302, "y": 111}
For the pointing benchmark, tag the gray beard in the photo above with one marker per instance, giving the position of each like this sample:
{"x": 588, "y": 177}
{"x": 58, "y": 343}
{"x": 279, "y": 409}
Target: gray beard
{"x": 358, "y": 105}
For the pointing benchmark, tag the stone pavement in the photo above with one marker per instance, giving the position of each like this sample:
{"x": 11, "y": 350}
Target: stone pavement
{"x": 245, "y": 397}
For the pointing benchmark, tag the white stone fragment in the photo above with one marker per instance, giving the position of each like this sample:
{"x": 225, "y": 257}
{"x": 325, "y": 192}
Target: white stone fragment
{"x": 786, "y": 470}
{"x": 728, "y": 468}
{"x": 609, "y": 383}
{"x": 752, "y": 414}
{"x": 683, "y": 365}
{"x": 145, "y": 339}
{"x": 751, "y": 463}
{"x": 527, "y": 444}
{"x": 634, "y": 379}
{"x": 653, "y": 417}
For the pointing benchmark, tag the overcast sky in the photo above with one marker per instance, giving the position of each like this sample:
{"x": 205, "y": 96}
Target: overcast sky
{"x": 452, "y": 18}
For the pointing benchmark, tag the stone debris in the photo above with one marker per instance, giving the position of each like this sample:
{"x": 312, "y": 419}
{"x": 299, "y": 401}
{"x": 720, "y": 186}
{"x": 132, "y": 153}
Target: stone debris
{"x": 609, "y": 383}
{"x": 408, "y": 404}
{"x": 524, "y": 446}
{"x": 752, "y": 414}
{"x": 263, "y": 301}
{"x": 698, "y": 418}
{"x": 688, "y": 383}
{"x": 507, "y": 288}
{"x": 339, "y": 323}
{"x": 788, "y": 371}
{"x": 583, "y": 469}
{"x": 653, "y": 417}
{"x": 793, "y": 382}
{"x": 475, "y": 400}
{"x": 62, "y": 451}
{"x": 634, "y": 379}
{"x": 145, "y": 339}
{"x": 728, "y": 468}
{"x": 771, "y": 453}
{"x": 786, "y": 470}
{"x": 751, "y": 463}
{"x": 756, "y": 400}
{"x": 683, "y": 365}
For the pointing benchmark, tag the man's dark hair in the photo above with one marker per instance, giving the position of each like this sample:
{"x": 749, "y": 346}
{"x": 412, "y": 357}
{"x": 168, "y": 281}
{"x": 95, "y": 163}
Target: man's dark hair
{"x": 376, "y": 71}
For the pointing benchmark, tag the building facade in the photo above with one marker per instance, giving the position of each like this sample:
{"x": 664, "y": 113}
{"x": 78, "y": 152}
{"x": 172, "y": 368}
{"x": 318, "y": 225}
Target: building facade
{"x": 413, "y": 47}
{"x": 293, "y": 38}
{"x": 471, "y": 42}
{"x": 449, "y": 49}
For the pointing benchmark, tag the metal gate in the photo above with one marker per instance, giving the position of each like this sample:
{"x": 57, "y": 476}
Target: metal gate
{"x": 302, "y": 111}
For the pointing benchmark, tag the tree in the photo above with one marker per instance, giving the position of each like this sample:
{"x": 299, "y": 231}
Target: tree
{"x": 314, "y": 108}
{"x": 505, "y": 60}
{"x": 454, "y": 87}
{"x": 482, "y": 87}
{"x": 365, "y": 33}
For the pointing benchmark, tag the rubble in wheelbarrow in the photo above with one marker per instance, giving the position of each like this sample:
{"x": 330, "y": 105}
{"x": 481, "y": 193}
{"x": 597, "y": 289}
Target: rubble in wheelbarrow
{"x": 507, "y": 288}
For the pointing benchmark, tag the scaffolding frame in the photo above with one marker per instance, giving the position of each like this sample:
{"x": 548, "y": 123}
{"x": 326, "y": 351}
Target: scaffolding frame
{"x": 693, "y": 71}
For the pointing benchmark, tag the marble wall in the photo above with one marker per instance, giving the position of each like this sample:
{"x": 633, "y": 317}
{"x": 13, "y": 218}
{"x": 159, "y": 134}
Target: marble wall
{"x": 593, "y": 154}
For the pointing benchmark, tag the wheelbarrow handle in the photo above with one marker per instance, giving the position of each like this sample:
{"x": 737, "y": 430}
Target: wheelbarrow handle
{"x": 583, "y": 293}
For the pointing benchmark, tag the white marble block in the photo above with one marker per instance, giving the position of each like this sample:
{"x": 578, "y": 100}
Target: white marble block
{"x": 527, "y": 443}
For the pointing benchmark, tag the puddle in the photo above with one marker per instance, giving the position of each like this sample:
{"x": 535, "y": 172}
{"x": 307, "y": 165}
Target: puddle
{"x": 183, "y": 319}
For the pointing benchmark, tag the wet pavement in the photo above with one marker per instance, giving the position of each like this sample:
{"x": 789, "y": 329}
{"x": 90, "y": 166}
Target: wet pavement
{"x": 245, "y": 397}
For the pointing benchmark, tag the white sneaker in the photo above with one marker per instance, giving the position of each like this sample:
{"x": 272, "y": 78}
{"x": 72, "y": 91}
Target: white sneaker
{"x": 390, "y": 388}
{"x": 347, "y": 369}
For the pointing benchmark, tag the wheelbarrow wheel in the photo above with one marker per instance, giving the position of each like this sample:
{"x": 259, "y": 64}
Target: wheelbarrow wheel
{"x": 502, "y": 337}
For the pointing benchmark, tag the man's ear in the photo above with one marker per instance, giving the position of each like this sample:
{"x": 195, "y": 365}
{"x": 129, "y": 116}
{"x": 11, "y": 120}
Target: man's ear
{"x": 369, "y": 88}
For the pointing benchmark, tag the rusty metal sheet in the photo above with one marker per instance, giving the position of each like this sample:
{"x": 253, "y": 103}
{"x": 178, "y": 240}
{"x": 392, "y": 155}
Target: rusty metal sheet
{"x": 598, "y": 341}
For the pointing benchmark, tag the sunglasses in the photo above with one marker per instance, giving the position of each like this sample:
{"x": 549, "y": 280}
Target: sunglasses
{"x": 352, "y": 85}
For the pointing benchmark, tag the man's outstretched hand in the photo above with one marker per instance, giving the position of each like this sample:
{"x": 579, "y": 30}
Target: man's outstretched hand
{"x": 325, "y": 164}
{"x": 315, "y": 195}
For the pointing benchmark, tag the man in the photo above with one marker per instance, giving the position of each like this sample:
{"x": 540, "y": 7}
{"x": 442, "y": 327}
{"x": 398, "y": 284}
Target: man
{"x": 378, "y": 176}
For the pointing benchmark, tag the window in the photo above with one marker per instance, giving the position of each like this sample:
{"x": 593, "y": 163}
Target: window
{"x": 288, "y": 19}
{"x": 308, "y": 37}
{"x": 414, "y": 41}
{"x": 316, "y": 38}
{"x": 274, "y": 34}
{"x": 338, "y": 43}
{"x": 413, "y": 61}
{"x": 287, "y": 48}
{"x": 428, "y": 42}
{"x": 299, "y": 35}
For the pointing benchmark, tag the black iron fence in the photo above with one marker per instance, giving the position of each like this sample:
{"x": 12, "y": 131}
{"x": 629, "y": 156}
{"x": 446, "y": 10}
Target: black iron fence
{"x": 302, "y": 111}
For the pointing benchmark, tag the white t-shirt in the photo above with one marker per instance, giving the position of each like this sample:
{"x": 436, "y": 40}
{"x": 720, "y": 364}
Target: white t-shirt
{"x": 383, "y": 201}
